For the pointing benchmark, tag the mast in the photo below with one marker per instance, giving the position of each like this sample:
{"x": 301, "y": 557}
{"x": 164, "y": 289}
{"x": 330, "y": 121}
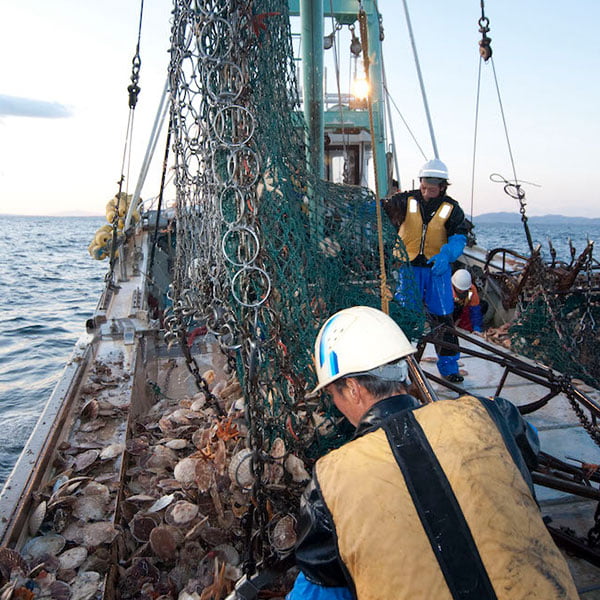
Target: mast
{"x": 312, "y": 14}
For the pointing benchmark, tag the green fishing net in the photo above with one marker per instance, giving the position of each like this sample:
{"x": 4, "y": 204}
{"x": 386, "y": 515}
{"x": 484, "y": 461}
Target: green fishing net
{"x": 266, "y": 250}
{"x": 558, "y": 327}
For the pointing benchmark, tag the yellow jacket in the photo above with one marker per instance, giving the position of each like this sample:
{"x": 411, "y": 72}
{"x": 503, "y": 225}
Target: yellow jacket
{"x": 434, "y": 504}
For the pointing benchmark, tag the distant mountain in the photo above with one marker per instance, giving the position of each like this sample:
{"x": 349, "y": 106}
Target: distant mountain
{"x": 512, "y": 218}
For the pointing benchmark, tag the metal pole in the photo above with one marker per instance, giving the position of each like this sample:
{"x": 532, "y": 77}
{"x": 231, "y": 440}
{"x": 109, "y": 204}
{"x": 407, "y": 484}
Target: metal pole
{"x": 377, "y": 99}
{"x": 311, "y": 17}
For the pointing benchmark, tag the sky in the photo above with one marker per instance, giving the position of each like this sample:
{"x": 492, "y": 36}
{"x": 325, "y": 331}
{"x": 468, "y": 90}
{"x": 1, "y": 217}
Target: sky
{"x": 66, "y": 65}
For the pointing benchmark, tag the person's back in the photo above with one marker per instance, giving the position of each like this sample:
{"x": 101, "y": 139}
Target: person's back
{"x": 427, "y": 501}
{"x": 432, "y": 505}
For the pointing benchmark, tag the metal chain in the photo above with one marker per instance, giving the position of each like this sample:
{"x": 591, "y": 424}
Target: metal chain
{"x": 220, "y": 280}
{"x": 514, "y": 190}
{"x": 587, "y": 424}
{"x": 587, "y": 322}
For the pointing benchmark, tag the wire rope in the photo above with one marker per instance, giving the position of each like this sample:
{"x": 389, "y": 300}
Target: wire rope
{"x": 421, "y": 84}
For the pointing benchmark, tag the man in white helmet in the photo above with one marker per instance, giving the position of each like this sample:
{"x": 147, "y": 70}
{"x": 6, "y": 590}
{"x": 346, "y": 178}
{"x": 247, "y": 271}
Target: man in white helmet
{"x": 467, "y": 306}
{"x": 433, "y": 230}
{"x": 432, "y": 501}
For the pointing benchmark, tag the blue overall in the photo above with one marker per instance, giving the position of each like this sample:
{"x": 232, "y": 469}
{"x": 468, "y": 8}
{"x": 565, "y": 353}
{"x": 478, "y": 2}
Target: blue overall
{"x": 433, "y": 286}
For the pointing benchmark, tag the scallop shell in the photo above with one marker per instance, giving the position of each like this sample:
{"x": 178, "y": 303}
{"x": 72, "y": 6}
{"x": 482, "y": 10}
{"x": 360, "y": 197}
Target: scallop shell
{"x": 198, "y": 404}
{"x": 194, "y": 532}
{"x": 228, "y": 554}
{"x": 162, "y": 457}
{"x": 180, "y": 416}
{"x": 90, "y": 409}
{"x": 141, "y": 526}
{"x": 59, "y": 482}
{"x": 295, "y": 467}
{"x": 274, "y": 473}
{"x": 161, "y": 503}
{"x": 220, "y": 458}
{"x": 93, "y": 488}
{"x": 112, "y": 451}
{"x": 141, "y": 498}
{"x": 209, "y": 376}
{"x": 91, "y": 534}
{"x": 185, "y": 402}
{"x": 176, "y": 444}
{"x": 163, "y": 543}
{"x": 204, "y": 475}
{"x": 137, "y": 446}
{"x": 240, "y": 468}
{"x": 201, "y": 437}
{"x": 185, "y": 595}
{"x": 37, "y": 517}
{"x": 59, "y": 590}
{"x": 50, "y": 544}
{"x": 185, "y": 471}
{"x": 181, "y": 512}
{"x": 90, "y": 508}
{"x": 84, "y": 586}
{"x": 11, "y": 560}
{"x": 85, "y": 459}
{"x": 169, "y": 485}
{"x": 73, "y": 558}
{"x": 278, "y": 449}
{"x": 283, "y": 535}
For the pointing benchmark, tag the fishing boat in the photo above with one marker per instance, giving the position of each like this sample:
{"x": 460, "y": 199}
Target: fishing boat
{"x": 170, "y": 457}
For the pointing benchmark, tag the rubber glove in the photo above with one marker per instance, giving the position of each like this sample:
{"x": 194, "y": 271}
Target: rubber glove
{"x": 441, "y": 264}
{"x": 448, "y": 253}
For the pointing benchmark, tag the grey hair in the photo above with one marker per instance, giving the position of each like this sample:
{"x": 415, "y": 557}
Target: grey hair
{"x": 379, "y": 388}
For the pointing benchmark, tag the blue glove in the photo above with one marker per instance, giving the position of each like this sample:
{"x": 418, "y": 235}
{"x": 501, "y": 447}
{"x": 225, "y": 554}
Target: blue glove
{"x": 441, "y": 264}
{"x": 448, "y": 253}
{"x": 454, "y": 247}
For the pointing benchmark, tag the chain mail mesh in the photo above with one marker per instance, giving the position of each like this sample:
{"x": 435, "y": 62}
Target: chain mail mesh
{"x": 265, "y": 250}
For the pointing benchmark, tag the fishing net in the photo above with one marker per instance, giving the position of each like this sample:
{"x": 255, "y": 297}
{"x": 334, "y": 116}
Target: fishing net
{"x": 266, "y": 251}
{"x": 557, "y": 318}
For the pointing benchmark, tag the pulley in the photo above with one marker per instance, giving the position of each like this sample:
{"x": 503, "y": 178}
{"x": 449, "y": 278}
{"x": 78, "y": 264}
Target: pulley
{"x": 485, "y": 48}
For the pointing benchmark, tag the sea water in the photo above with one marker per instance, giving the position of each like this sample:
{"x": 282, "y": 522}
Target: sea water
{"x": 49, "y": 287}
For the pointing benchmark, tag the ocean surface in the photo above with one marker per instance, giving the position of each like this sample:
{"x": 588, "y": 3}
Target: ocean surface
{"x": 49, "y": 287}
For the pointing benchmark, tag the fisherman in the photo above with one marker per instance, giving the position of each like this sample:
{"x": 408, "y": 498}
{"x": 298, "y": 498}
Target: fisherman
{"x": 433, "y": 229}
{"x": 468, "y": 312}
{"x": 426, "y": 501}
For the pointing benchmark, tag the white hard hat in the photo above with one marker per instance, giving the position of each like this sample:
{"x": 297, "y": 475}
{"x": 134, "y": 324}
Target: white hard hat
{"x": 356, "y": 340}
{"x": 462, "y": 280}
{"x": 434, "y": 168}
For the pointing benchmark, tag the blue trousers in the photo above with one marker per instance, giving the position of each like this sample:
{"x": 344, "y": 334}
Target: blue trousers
{"x": 417, "y": 285}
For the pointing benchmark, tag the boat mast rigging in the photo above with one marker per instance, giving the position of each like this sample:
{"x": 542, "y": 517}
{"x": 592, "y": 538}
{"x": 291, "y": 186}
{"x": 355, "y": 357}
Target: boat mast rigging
{"x": 133, "y": 90}
{"x": 513, "y": 188}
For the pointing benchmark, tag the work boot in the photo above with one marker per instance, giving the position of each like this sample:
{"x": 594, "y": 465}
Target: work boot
{"x": 454, "y": 378}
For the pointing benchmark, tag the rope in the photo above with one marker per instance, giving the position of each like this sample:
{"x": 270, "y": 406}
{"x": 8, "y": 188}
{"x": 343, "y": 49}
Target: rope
{"x": 362, "y": 17}
{"x": 133, "y": 91}
{"x": 475, "y": 138}
{"x": 421, "y": 84}
{"x": 412, "y": 135}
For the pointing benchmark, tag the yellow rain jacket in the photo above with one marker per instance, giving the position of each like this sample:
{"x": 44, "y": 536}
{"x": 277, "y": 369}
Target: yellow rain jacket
{"x": 432, "y": 503}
